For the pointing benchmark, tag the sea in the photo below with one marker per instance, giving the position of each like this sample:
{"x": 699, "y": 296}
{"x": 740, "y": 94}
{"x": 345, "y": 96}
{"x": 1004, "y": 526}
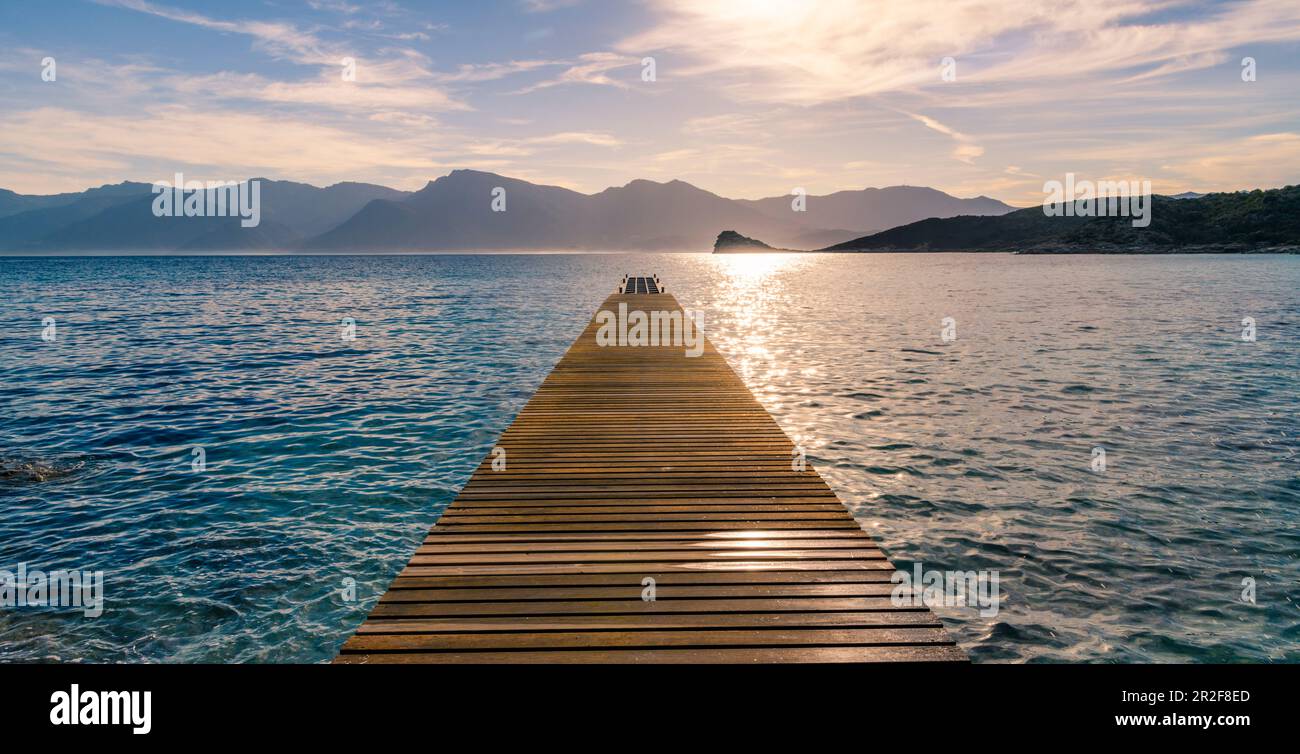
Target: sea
{"x": 248, "y": 448}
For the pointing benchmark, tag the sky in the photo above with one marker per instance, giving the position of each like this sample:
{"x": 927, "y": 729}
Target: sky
{"x": 748, "y": 99}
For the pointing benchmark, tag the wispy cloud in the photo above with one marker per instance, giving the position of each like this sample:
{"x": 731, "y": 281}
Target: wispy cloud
{"x": 577, "y": 137}
{"x": 526, "y": 146}
{"x": 474, "y": 72}
{"x": 401, "y": 79}
{"x": 590, "y": 68}
{"x": 334, "y": 6}
{"x": 966, "y": 150}
{"x": 546, "y": 6}
{"x": 277, "y": 38}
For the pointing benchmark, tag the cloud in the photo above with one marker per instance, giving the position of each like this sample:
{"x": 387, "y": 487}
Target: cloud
{"x": 223, "y": 144}
{"x": 590, "y": 68}
{"x": 1261, "y": 161}
{"x": 328, "y": 91}
{"x": 400, "y": 79}
{"x": 1018, "y": 171}
{"x": 966, "y": 150}
{"x": 750, "y": 94}
{"x": 818, "y": 52}
{"x": 335, "y": 6}
{"x": 527, "y": 146}
{"x": 277, "y": 38}
{"x": 546, "y": 6}
{"x": 577, "y": 137}
{"x": 473, "y": 72}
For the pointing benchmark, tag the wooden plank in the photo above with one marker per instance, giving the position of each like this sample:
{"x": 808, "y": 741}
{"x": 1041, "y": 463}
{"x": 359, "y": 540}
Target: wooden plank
{"x": 531, "y": 594}
{"x": 634, "y": 605}
{"x": 647, "y": 567}
{"x": 646, "y": 638}
{"x": 749, "y": 538}
{"x": 640, "y": 465}
{"x": 680, "y": 526}
{"x": 847, "y": 576}
{"x": 632, "y": 545}
{"x": 720, "y": 655}
{"x": 432, "y": 556}
{"x": 646, "y": 621}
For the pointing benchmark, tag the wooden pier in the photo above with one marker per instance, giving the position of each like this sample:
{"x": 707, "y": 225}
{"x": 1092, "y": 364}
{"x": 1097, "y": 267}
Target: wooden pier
{"x": 638, "y": 472}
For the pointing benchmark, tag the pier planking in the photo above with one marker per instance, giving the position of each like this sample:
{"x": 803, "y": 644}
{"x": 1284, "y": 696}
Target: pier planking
{"x": 639, "y": 463}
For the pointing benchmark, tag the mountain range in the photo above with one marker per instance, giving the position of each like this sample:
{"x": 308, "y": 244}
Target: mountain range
{"x": 456, "y": 212}
{"x": 1241, "y": 221}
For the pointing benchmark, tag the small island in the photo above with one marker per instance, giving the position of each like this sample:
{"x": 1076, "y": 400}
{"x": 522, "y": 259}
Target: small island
{"x": 729, "y": 241}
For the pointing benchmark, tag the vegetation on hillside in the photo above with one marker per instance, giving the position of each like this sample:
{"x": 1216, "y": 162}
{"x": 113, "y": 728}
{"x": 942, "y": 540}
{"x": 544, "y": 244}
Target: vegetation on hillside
{"x": 1240, "y": 221}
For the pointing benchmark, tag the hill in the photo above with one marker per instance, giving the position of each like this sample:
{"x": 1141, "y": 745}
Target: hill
{"x": 1225, "y": 222}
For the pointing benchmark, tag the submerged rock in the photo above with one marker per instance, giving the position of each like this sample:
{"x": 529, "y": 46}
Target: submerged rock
{"x": 19, "y": 470}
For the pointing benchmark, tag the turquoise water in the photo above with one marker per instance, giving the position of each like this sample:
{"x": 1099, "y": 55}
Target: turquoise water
{"x": 326, "y": 460}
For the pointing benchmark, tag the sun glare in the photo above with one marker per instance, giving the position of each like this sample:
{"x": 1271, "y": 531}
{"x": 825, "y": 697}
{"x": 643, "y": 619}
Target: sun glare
{"x": 748, "y": 269}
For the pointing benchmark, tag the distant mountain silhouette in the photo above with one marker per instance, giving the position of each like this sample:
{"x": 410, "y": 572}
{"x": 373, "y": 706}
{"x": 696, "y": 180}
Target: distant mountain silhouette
{"x": 131, "y": 226}
{"x": 32, "y": 225}
{"x": 307, "y": 210}
{"x": 455, "y": 212}
{"x": 12, "y": 204}
{"x": 120, "y": 218}
{"x": 673, "y": 215}
{"x": 874, "y": 209}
